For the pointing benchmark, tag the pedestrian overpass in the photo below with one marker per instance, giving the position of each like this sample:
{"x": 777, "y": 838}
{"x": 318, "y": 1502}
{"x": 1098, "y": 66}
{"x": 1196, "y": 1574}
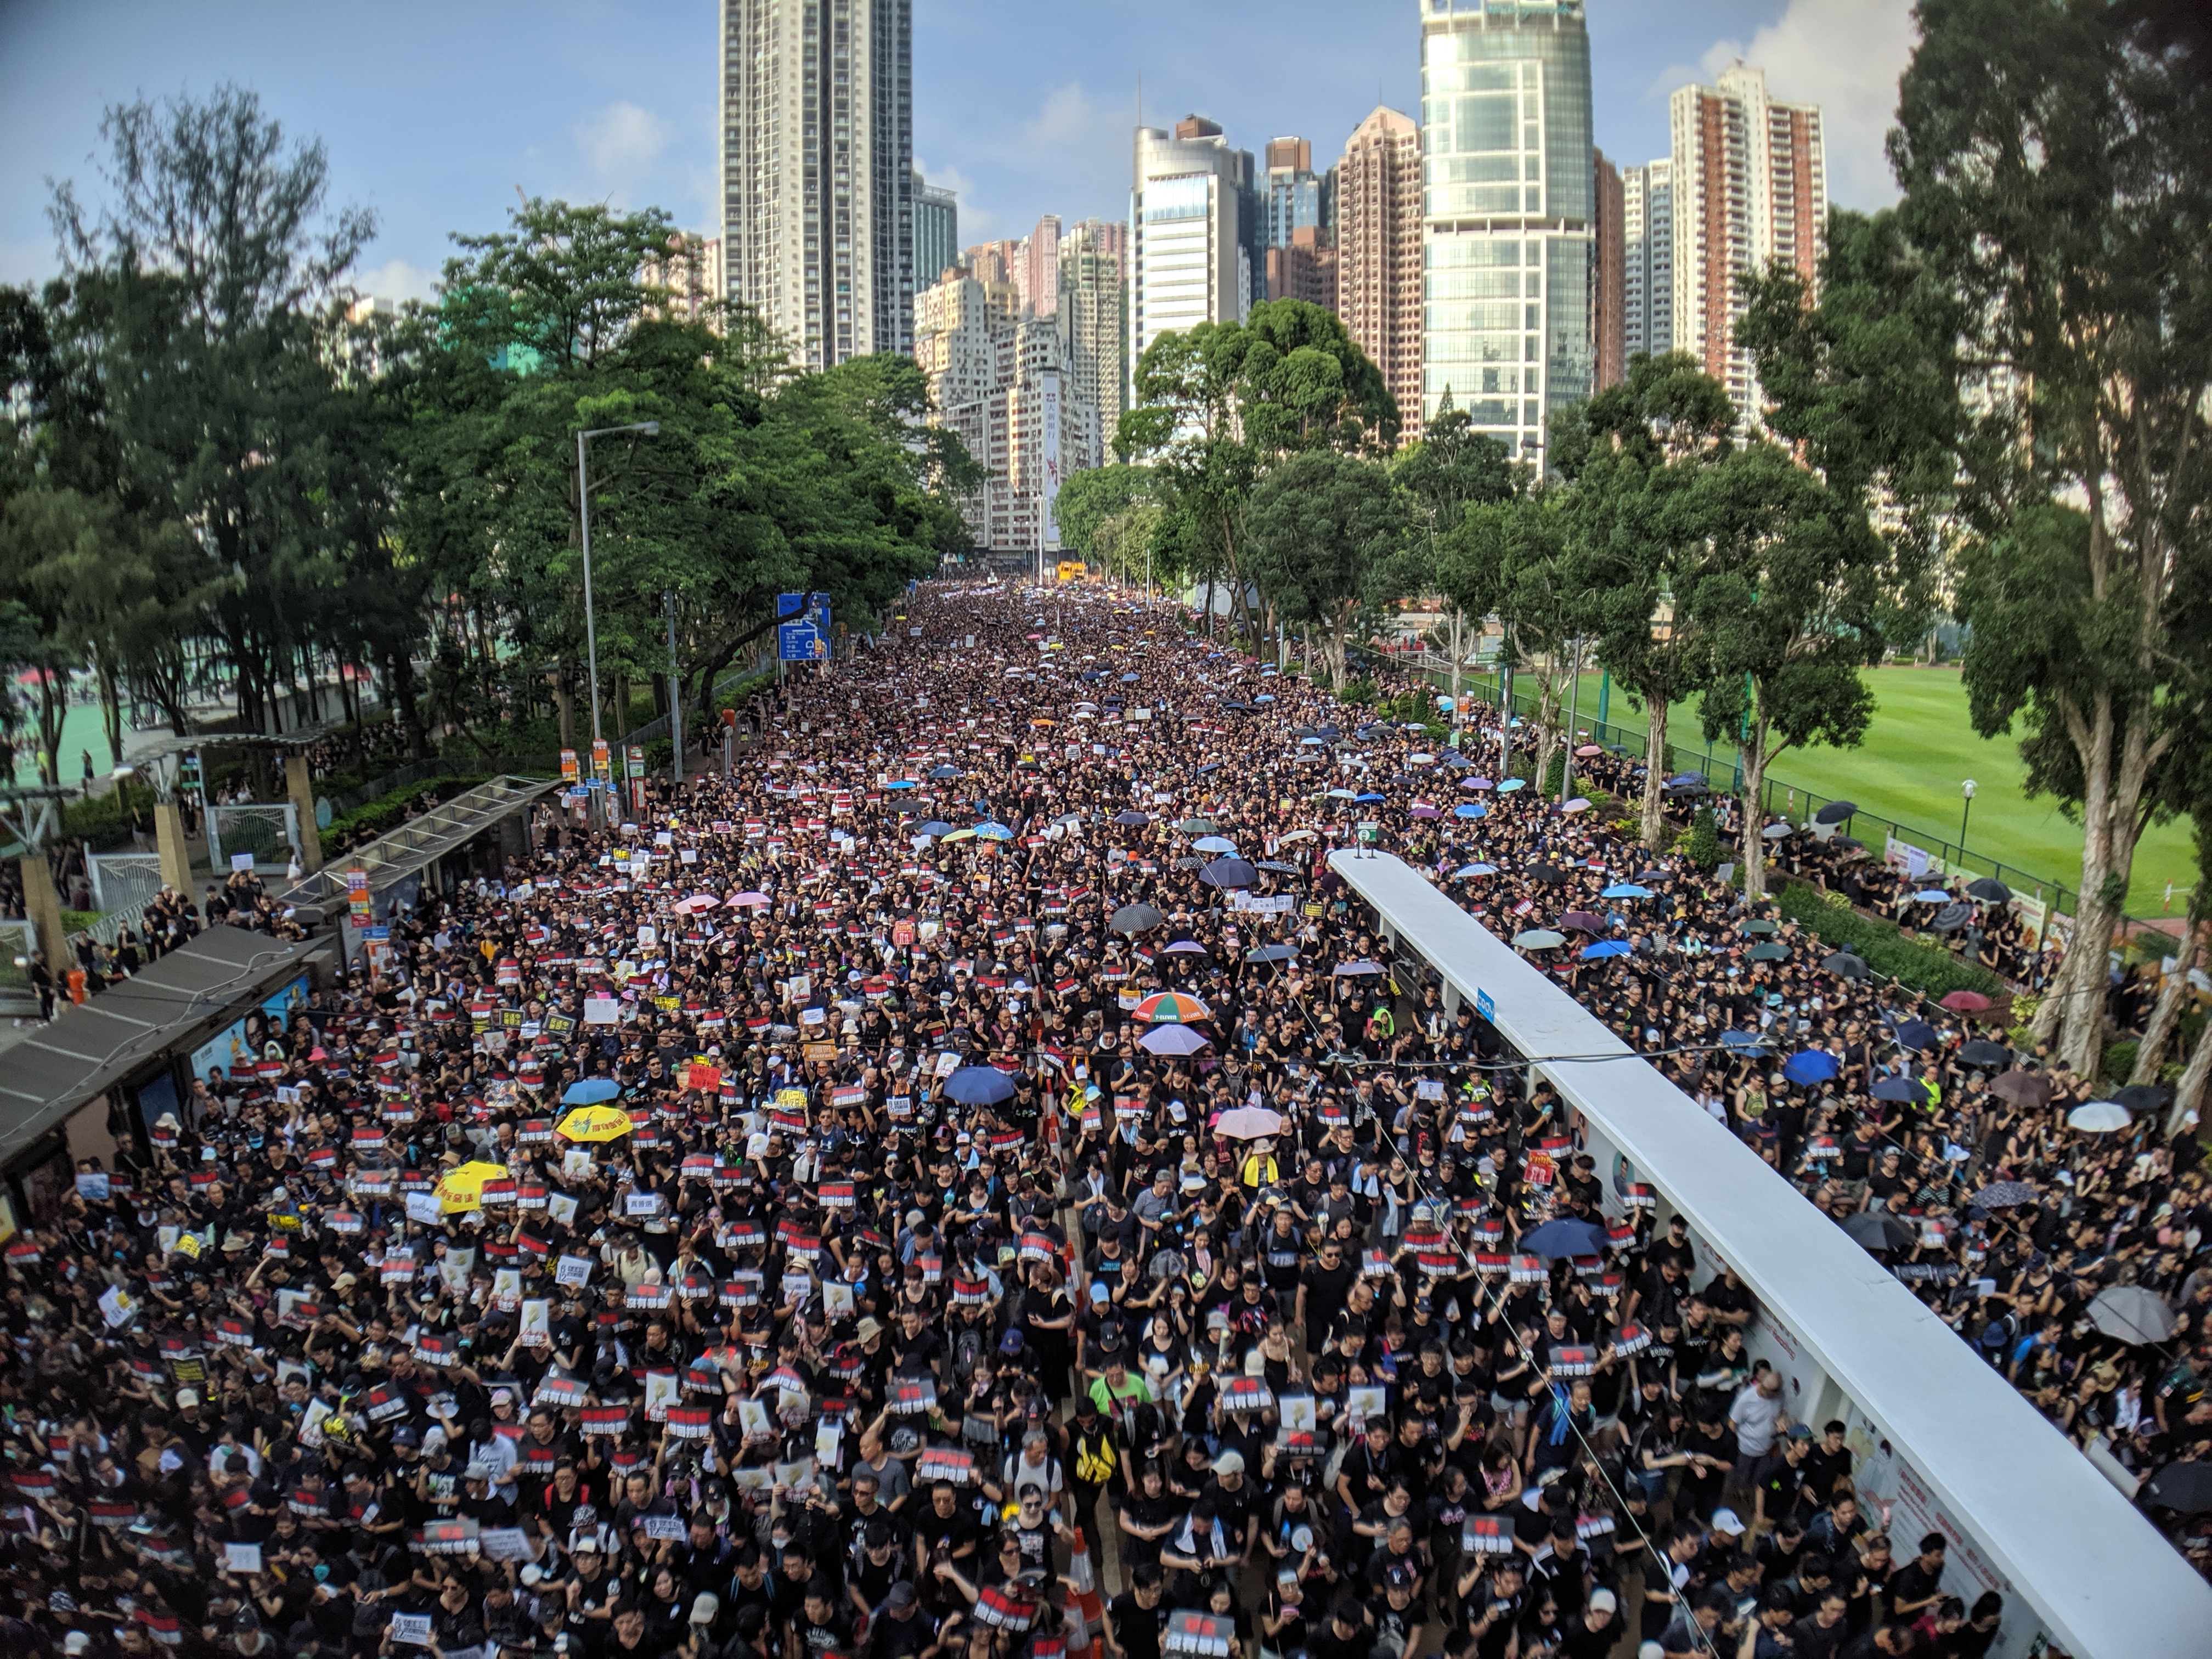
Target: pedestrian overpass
{"x": 1940, "y": 1440}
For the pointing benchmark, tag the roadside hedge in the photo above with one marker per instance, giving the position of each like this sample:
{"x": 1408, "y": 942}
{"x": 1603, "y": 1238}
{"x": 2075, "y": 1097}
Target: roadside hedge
{"x": 1885, "y": 949}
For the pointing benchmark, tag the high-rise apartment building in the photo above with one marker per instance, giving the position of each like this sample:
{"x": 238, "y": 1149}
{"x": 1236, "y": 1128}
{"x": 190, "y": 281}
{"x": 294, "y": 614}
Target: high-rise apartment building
{"x": 1647, "y": 228}
{"x": 1509, "y": 215}
{"x": 817, "y": 171}
{"x": 1750, "y": 187}
{"x": 1094, "y": 316}
{"x": 1378, "y": 254}
{"x": 1303, "y": 268}
{"x": 1041, "y": 257}
{"x": 1609, "y": 278}
{"x": 936, "y": 232}
{"x": 1000, "y": 380}
{"x": 691, "y": 271}
{"x": 1193, "y": 223}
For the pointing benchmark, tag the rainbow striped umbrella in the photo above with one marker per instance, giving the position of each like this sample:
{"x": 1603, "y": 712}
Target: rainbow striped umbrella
{"x": 1172, "y": 1008}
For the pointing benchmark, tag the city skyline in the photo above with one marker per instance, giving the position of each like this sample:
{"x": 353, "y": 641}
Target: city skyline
{"x": 615, "y": 103}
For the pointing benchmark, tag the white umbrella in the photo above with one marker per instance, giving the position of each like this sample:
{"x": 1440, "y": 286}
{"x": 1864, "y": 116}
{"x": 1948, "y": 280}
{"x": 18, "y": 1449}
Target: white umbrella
{"x": 1248, "y": 1123}
{"x": 2098, "y": 1117}
{"x": 2132, "y": 1313}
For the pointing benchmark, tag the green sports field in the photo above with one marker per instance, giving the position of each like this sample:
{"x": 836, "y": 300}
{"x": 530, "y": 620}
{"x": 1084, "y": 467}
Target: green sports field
{"x": 1920, "y": 747}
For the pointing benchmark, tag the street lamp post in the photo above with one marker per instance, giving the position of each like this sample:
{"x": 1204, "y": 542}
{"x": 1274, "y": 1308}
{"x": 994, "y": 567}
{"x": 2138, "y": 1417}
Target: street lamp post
{"x": 651, "y": 430}
{"x": 1965, "y": 811}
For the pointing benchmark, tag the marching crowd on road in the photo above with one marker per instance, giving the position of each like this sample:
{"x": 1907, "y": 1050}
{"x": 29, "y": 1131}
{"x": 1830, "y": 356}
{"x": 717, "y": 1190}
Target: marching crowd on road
{"x": 972, "y": 1182}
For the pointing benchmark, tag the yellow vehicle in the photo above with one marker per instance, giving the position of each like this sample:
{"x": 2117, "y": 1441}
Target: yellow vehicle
{"x": 1071, "y": 570}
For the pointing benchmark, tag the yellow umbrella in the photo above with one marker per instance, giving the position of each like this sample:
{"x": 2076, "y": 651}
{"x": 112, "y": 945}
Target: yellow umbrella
{"x": 596, "y": 1123}
{"x": 463, "y": 1188}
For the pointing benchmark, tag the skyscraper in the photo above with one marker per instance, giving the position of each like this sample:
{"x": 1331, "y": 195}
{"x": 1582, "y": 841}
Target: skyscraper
{"x": 691, "y": 271}
{"x": 1505, "y": 113}
{"x": 1041, "y": 252}
{"x": 1647, "y": 224}
{"x": 1094, "y": 316}
{"x": 1609, "y": 279}
{"x": 1193, "y": 225}
{"x": 1378, "y": 256}
{"x": 817, "y": 171}
{"x": 1750, "y": 187}
{"x": 936, "y": 232}
{"x": 1303, "y": 268}
{"x": 1292, "y": 195}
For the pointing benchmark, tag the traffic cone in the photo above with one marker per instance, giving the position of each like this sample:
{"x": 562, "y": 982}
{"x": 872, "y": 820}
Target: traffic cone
{"x": 1088, "y": 1605}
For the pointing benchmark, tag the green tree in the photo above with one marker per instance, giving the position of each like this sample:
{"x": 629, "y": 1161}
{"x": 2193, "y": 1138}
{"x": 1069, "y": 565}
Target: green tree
{"x": 2057, "y": 161}
{"x": 1634, "y": 457}
{"x": 1451, "y": 467}
{"x": 1091, "y": 498}
{"x": 1513, "y": 558}
{"x": 1327, "y": 535}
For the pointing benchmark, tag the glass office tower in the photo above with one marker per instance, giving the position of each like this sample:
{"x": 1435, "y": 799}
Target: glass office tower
{"x": 1508, "y": 214}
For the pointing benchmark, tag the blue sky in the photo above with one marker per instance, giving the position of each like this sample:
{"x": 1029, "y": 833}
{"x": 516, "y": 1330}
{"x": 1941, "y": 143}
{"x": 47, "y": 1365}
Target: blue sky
{"x": 434, "y": 113}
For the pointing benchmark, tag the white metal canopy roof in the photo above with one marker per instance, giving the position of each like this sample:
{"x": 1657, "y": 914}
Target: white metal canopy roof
{"x": 2095, "y": 1571}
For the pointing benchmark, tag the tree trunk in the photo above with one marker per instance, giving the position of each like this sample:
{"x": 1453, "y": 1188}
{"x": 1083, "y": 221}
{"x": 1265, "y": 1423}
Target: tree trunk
{"x": 111, "y": 709}
{"x": 2189, "y": 1094}
{"x": 2165, "y": 1013}
{"x": 1655, "y": 768}
{"x": 1752, "y": 846}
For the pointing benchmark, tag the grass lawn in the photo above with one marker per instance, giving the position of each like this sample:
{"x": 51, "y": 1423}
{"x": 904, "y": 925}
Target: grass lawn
{"x": 1915, "y": 755}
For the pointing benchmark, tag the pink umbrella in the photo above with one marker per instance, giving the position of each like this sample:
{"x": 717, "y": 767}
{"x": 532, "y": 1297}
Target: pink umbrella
{"x": 738, "y": 901}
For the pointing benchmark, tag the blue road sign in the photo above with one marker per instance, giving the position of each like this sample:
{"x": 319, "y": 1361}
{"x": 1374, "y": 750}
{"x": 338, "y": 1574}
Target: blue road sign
{"x": 1484, "y": 1005}
{"x": 790, "y": 605}
{"x": 800, "y": 643}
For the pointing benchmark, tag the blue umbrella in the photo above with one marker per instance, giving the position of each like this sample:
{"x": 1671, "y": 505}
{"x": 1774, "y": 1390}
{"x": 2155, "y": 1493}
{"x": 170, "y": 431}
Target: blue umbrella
{"x": 1228, "y": 873}
{"x": 1743, "y": 1041}
{"x": 1511, "y": 784}
{"x": 1625, "y": 889}
{"x": 1812, "y": 1066}
{"x": 900, "y": 783}
{"x": 1476, "y": 869}
{"x": 993, "y": 832}
{"x": 1915, "y": 1034}
{"x": 1555, "y": 1239}
{"x": 591, "y": 1091}
{"x": 1605, "y": 948}
{"x": 979, "y": 1085}
{"x": 1908, "y": 1090}
{"x": 1474, "y": 809}
{"x": 935, "y": 827}
{"x": 1370, "y": 796}
{"x": 1128, "y": 680}
{"x": 1131, "y": 819}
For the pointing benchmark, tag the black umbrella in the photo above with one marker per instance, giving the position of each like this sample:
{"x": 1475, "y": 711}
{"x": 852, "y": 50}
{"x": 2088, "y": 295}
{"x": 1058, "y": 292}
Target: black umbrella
{"x": 1906, "y": 1089}
{"x": 1271, "y": 953}
{"x": 2143, "y": 1098}
{"x": 1228, "y": 873}
{"x": 1130, "y": 820}
{"x": 1989, "y": 890}
{"x": 2186, "y": 1488}
{"x": 1835, "y": 811}
{"x": 1878, "y": 1230}
{"x": 1915, "y": 1034}
{"x": 1951, "y": 917}
{"x": 1844, "y": 965}
{"x": 942, "y": 773}
{"x": 1982, "y": 1052}
{"x": 1134, "y": 918}
{"x": 1546, "y": 872}
{"x": 2003, "y": 1195}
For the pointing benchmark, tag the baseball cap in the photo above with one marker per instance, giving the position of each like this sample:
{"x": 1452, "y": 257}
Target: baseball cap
{"x": 1726, "y": 1521}
{"x": 1602, "y": 1601}
{"x": 184, "y": 1397}
{"x": 903, "y": 1595}
{"x": 502, "y": 1396}
{"x": 1228, "y": 1462}
{"x": 706, "y": 1608}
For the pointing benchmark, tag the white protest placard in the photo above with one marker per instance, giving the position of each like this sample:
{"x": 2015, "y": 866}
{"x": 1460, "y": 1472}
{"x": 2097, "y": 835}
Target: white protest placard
{"x": 827, "y": 1434}
{"x": 573, "y": 1270}
{"x": 92, "y": 1185}
{"x": 311, "y": 1425}
{"x": 602, "y": 1011}
{"x": 503, "y": 1544}
{"x": 660, "y": 1393}
{"x": 116, "y": 1307}
{"x": 575, "y": 1165}
{"x": 506, "y": 1287}
{"x": 537, "y": 1324}
{"x": 425, "y": 1209}
{"x": 411, "y": 1629}
{"x": 670, "y": 1527}
{"x": 242, "y": 1558}
{"x": 753, "y": 1418}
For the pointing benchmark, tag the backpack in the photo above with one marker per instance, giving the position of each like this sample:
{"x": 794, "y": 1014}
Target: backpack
{"x": 1094, "y": 1456}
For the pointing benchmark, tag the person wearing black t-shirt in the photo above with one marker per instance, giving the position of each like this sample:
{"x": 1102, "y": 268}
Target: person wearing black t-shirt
{"x": 1136, "y": 1618}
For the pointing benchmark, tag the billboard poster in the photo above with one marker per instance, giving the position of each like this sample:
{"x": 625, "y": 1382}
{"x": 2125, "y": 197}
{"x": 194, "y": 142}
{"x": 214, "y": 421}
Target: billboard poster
{"x": 1050, "y": 385}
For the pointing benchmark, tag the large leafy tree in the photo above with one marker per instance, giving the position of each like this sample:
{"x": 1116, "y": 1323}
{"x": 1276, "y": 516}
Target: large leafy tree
{"x": 2057, "y": 161}
{"x": 1635, "y": 456}
{"x": 1326, "y": 538}
{"x": 1450, "y": 468}
{"x": 1219, "y": 404}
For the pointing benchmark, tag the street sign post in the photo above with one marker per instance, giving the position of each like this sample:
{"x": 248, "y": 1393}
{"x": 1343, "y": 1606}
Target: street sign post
{"x": 800, "y": 643}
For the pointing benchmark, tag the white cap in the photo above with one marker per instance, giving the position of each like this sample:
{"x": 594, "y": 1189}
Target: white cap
{"x": 184, "y": 1397}
{"x": 1228, "y": 1462}
{"x": 1602, "y": 1600}
{"x": 1725, "y": 1520}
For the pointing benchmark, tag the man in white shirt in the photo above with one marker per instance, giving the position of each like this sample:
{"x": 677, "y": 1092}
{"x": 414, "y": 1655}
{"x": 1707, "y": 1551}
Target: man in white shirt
{"x": 1758, "y": 1420}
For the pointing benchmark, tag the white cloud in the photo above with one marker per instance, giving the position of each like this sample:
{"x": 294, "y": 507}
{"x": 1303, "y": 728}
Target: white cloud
{"x": 1845, "y": 55}
{"x": 620, "y": 141}
{"x": 1070, "y": 119}
{"x": 397, "y": 280}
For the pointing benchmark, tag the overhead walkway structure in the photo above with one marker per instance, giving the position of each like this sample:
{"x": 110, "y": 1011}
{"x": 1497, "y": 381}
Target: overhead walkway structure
{"x": 1938, "y": 1436}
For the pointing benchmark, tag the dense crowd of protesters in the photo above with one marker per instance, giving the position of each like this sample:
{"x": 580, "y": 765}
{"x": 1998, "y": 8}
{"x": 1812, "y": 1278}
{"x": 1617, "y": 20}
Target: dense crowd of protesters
{"x": 792, "y": 1223}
